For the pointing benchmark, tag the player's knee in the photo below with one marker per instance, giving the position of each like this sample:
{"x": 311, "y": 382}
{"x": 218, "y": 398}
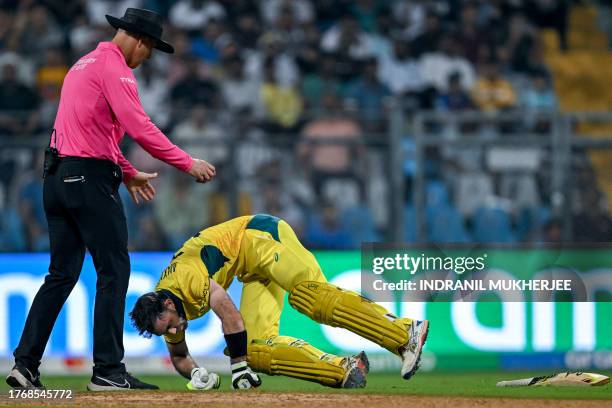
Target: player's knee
{"x": 314, "y": 299}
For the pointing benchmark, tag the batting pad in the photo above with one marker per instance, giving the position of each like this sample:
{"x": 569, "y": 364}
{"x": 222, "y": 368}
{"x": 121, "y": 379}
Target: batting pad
{"x": 331, "y": 305}
{"x": 283, "y": 355}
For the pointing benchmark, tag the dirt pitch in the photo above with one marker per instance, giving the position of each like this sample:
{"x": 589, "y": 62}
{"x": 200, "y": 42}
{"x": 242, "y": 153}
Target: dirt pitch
{"x": 290, "y": 400}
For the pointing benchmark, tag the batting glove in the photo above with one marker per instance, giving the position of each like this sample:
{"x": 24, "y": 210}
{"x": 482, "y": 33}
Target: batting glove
{"x": 202, "y": 380}
{"x": 243, "y": 378}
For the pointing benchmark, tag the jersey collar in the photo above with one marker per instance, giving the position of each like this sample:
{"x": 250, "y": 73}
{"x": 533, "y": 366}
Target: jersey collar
{"x": 177, "y": 302}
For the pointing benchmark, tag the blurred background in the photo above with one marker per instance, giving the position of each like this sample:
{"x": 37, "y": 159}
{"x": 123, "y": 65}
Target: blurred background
{"x": 442, "y": 121}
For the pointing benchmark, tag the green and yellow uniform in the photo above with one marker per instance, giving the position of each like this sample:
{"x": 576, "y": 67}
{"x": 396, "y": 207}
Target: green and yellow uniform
{"x": 263, "y": 253}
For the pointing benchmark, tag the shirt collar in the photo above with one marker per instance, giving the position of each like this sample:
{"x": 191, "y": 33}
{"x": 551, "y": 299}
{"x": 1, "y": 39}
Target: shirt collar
{"x": 109, "y": 45}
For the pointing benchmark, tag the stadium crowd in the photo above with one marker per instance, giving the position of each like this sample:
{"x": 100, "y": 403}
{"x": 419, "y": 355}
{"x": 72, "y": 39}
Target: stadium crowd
{"x": 259, "y": 87}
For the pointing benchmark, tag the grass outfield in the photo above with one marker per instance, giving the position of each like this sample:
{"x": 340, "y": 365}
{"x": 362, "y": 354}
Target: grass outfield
{"x": 423, "y": 384}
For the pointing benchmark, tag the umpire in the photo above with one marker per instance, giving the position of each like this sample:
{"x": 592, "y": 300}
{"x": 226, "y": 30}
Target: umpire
{"x": 83, "y": 170}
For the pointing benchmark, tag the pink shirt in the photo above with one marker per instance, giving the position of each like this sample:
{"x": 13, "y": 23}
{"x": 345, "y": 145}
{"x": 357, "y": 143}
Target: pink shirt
{"x": 99, "y": 103}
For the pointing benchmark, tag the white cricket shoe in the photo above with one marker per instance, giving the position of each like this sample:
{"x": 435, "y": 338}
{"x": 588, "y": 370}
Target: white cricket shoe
{"x": 411, "y": 355}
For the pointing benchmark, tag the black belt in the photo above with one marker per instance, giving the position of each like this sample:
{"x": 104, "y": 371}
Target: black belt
{"x": 93, "y": 164}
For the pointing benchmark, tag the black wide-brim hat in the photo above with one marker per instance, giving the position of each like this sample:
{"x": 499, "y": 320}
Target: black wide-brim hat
{"x": 141, "y": 21}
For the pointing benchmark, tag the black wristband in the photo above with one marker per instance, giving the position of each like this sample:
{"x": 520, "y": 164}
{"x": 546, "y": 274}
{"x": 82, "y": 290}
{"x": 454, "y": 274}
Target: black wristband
{"x": 236, "y": 344}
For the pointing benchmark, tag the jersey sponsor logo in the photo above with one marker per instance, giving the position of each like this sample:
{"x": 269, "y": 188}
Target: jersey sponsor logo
{"x": 276, "y": 256}
{"x": 82, "y": 64}
{"x": 126, "y": 79}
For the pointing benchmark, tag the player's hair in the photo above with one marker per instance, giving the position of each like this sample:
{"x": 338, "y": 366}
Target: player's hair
{"x": 147, "y": 309}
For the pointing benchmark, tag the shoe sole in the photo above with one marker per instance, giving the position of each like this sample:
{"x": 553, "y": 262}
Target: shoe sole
{"x": 356, "y": 379}
{"x": 102, "y": 388}
{"x": 95, "y": 387}
{"x": 16, "y": 380}
{"x": 422, "y": 341}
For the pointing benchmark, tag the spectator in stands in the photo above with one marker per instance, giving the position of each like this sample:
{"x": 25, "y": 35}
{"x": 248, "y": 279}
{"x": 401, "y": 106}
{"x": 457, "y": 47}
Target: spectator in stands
{"x": 153, "y": 91}
{"x": 50, "y": 75}
{"x": 25, "y": 66}
{"x": 325, "y": 230}
{"x": 319, "y": 83}
{"x": 329, "y": 146}
{"x": 552, "y": 231}
{"x": 550, "y": 14}
{"x": 308, "y": 55}
{"x": 369, "y": 96}
{"x": 470, "y": 35}
{"x": 36, "y": 31}
{"x": 194, "y": 89}
{"x": 401, "y": 73}
{"x": 12, "y": 237}
{"x": 410, "y": 16}
{"x": 30, "y": 206}
{"x": 492, "y": 92}
{"x": 240, "y": 94}
{"x": 366, "y": 12}
{"x": 520, "y": 42}
{"x": 592, "y": 223}
{"x": 302, "y": 11}
{"x": 49, "y": 79}
{"x": 6, "y": 25}
{"x": 247, "y": 31}
{"x": 192, "y": 15}
{"x": 269, "y": 50}
{"x": 201, "y": 134}
{"x": 287, "y": 29}
{"x": 274, "y": 200}
{"x": 177, "y": 70}
{"x": 181, "y": 208}
{"x": 347, "y": 36}
{"x": 17, "y": 105}
{"x": 350, "y": 46}
{"x": 384, "y": 31}
{"x": 282, "y": 104}
{"x": 83, "y": 36}
{"x": 148, "y": 235}
{"x": 437, "y": 66}
{"x": 206, "y": 46}
{"x": 455, "y": 98}
{"x": 537, "y": 98}
{"x": 428, "y": 40}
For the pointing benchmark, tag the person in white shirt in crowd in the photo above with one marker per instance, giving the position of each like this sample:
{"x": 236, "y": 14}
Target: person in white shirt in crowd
{"x": 200, "y": 133}
{"x": 348, "y": 35}
{"x": 437, "y": 66}
{"x": 400, "y": 71}
{"x": 192, "y": 15}
{"x": 269, "y": 47}
{"x": 302, "y": 10}
{"x": 153, "y": 91}
{"x": 240, "y": 94}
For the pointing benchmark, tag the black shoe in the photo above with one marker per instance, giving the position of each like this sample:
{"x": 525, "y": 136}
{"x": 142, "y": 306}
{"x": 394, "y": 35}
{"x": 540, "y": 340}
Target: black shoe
{"x": 118, "y": 382}
{"x": 21, "y": 377}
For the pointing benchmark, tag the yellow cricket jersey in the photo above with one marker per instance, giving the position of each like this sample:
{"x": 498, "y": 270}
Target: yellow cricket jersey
{"x": 211, "y": 253}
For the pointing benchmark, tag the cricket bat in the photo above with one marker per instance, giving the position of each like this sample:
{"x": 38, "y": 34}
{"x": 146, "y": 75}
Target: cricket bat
{"x": 567, "y": 379}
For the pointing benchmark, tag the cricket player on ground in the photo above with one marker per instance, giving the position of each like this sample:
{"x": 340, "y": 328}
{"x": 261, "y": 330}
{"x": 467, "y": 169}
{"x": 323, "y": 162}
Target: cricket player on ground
{"x": 263, "y": 253}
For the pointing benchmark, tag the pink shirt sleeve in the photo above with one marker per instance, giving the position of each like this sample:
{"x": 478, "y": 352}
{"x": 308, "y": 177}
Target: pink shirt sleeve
{"x": 121, "y": 92}
{"x": 129, "y": 171}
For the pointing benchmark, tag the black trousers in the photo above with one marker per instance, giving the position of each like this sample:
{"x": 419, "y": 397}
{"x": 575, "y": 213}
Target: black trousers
{"x": 83, "y": 210}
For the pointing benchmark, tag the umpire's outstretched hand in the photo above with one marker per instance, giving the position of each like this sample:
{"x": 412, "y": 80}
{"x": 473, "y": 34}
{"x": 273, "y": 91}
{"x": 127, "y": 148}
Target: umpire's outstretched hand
{"x": 202, "y": 170}
{"x": 140, "y": 185}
